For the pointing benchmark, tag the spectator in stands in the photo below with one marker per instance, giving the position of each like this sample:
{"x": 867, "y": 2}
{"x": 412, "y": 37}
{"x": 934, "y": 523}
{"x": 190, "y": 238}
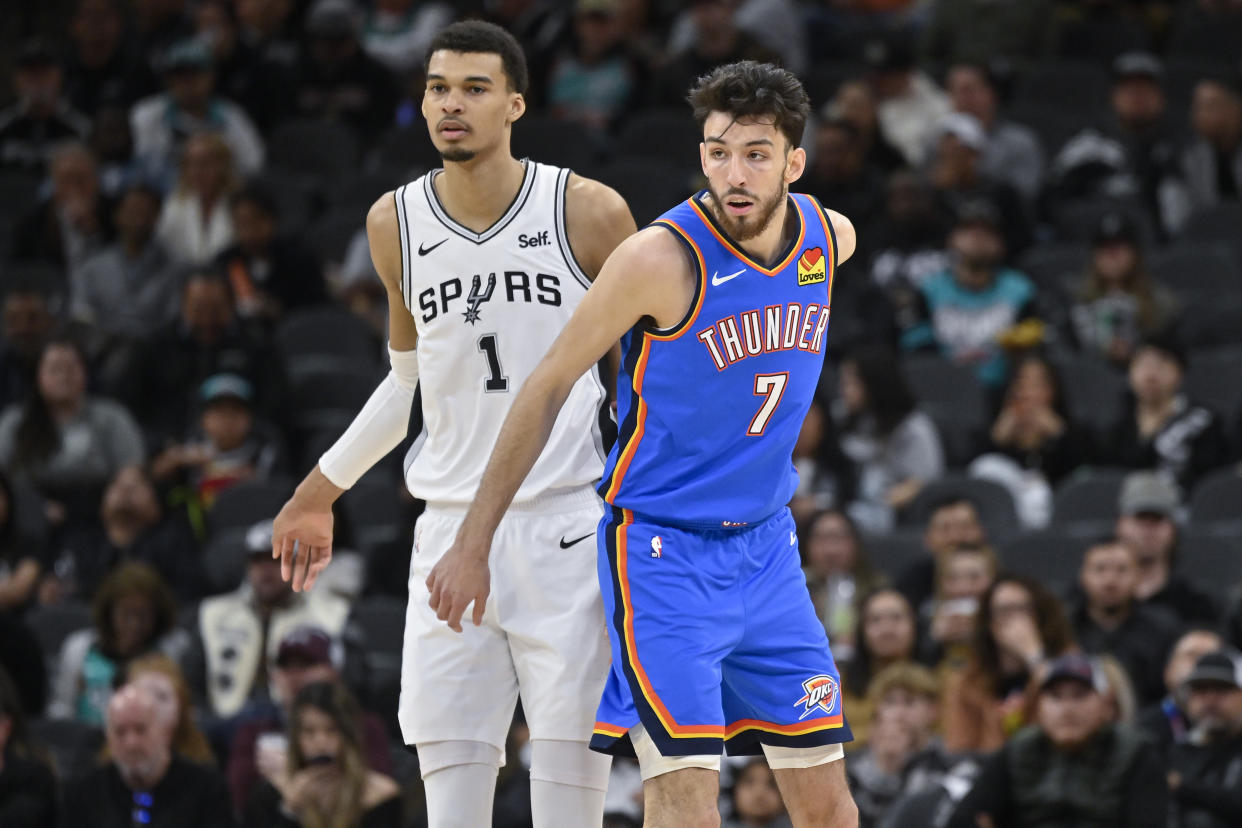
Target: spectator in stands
{"x": 887, "y": 635}
{"x": 1110, "y": 620}
{"x": 1163, "y": 430}
{"x": 196, "y": 224}
{"x": 838, "y": 571}
{"x": 1073, "y": 766}
{"x": 145, "y": 783}
{"x": 965, "y": 308}
{"x": 262, "y": 86}
{"x": 755, "y": 798}
{"x": 963, "y": 575}
{"x": 1167, "y": 723}
{"x": 952, "y": 522}
{"x": 1119, "y": 303}
{"x": 965, "y": 30}
{"x": 717, "y": 39}
{"x": 398, "y": 32}
{"x": 240, "y": 632}
{"x": 327, "y": 781}
{"x": 909, "y": 104}
{"x": 594, "y": 80}
{"x": 1011, "y": 152}
{"x": 840, "y": 174}
{"x": 76, "y": 221}
{"x": 162, "y": 124}
{"x": 134, "y": 614}
{"x": 41, "y": 117}
{"x": 160, "y": 676}
{"x": 908, "y": 245}
{"x": 133, "y": 526}
{"x": 1204, "y": 768}
{"x": 207, "y": 339}
{"x": 64, "y": 442}
{"x": 894, "y": 448}
{"x": 855, "y": 103}
{"x": 258, "y": 749}
{"x": 23, "y": 556}
{"x": 825, "y": 475}
{"x": 777, "y": 25}
{"x": 100, "y": 68}
{"x": 157, "y": 26}
{"x": 1034, "y": 428}
{"x": 113, "y": 145}
{"x": 1147, "y": 523}
{"x": 25, "y": 321}
{"x": 267, "y": 27}
{"x": 129, "y": 289}
{"x": 28, "y": 796}
{"x": 1019, "y": 624}
{"x": 270, "y": 273}
{"x": 336, "y": 79}
{"x": 1212, "y": 162}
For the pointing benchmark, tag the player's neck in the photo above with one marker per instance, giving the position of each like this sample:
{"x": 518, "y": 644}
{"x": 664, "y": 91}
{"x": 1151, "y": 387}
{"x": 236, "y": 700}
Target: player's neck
{"x": 769, "y": 244}
{"x": 476, "y": 193}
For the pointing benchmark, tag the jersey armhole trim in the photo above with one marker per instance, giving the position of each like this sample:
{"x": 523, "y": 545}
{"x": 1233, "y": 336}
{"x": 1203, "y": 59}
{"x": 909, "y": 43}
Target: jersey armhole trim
{"x": 403, "y": 231}
{"x": 562, "y": 228}
{"x": 831, "y": 235}
{"x": 700, "y": 267}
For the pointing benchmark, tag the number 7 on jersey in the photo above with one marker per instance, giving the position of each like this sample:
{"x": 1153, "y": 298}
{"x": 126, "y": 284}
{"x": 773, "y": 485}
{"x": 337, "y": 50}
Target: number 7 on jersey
{"x": 771, "y": 387}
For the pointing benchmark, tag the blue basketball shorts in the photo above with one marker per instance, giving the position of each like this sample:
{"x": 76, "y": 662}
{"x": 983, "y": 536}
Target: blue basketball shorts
{"x": 715, "y": 642}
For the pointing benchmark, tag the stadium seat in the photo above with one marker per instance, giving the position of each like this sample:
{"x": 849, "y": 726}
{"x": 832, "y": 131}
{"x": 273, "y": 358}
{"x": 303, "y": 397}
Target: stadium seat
{"x": 824, "y": 78}
{"x": 1218, "y": 223}
{"x": 327, "y": 399}
{"x": 1216, "y": 503}
{"x": 377, "y": 517}
{"x": 1212, "y": 561}
{"x": 244, "y": 504}
{"x": 1094, "y": 391}
{"x": 1073, "y": 86}
{"x": 73, "y": 746}
{"x": 53, "y": 623}
{"x": 1077, "y": 219}
{"x": 951, "y": 395}
{"x": 326, "y": 339}
{"x": 406, "y": 147}
{"x": 40, "y": 276}
{"x": 649, "y": 187}
{"x": 1214, "y": 379}
{"x": 1211, "y": 323}
{"x": 1099, "y": 39}
{"x": 893, "y": 553}
{"x": 359, "y": 190}
{"x": 320, "y": 148}
{"x": 377, "y": 627}
{"x": 331, "y": 233}
{"x": 1056, "y": 266}
{"x": 1198, "y": 270}
{"x": 657, "y": 134}
{"x": 1051, "y": 124}
{"x": 1052, "y": 558}
{"x": 995, "y": 504}
{"x": 298, "y": 196}
{"x": 1085, "y": 503}
{"x": 1206, "y": 34}
{"x": 555, "y": 141}
{"x": 224, "y": 559}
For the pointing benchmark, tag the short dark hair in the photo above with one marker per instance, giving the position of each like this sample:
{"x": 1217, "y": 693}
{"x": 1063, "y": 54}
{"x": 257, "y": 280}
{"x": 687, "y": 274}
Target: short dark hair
{"x": 748, "y": 89}
{"x": 488, "y": 38}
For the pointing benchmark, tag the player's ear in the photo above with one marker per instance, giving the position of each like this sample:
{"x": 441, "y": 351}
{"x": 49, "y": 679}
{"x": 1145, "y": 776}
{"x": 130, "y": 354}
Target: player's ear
{"x": 517, "y": 107}
{"x": 795, "y": 165}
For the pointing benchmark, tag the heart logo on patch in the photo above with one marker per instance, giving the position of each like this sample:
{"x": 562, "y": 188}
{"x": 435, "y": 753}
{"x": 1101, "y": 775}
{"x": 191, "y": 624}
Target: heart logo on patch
{"x": 811, "y": 257}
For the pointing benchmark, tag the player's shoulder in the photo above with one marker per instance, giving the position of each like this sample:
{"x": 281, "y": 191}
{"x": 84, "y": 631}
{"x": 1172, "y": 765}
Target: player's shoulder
{"x": 842, "y": 229}
{"x": 594, "y": 200}
{"x": 383, "y": 233}
{"x": 383, "y": 213}
{"x": 652, "y": 249}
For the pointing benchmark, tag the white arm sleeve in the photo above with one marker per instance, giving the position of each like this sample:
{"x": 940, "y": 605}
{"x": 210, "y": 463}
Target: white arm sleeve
{"x": 379, "y": 426}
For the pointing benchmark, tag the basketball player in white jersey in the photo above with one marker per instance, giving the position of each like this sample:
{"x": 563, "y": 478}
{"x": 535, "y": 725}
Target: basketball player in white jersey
{"x": 484, "y": 262}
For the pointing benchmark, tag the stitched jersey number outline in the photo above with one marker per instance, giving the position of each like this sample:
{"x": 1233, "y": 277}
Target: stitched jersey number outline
{"x": 496, "y": 381}
{"x": 772, "y": 388}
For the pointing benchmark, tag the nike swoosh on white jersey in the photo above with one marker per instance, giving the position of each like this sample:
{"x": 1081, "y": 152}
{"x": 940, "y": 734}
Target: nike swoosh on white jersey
{"x": 720, "y": 280}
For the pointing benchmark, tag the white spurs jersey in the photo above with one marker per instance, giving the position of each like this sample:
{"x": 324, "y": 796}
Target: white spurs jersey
{"x": 488, "y": 306}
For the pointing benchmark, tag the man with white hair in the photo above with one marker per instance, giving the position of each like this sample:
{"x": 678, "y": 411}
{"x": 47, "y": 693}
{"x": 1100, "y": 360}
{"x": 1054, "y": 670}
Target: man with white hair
{"x": 145, "y": 783}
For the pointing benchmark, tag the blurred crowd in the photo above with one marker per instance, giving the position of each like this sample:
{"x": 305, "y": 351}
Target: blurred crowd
{"x": 1020, "y": 490}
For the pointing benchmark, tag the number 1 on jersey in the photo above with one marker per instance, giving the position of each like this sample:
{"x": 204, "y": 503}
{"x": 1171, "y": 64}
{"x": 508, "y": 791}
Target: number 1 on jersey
{"x": 772, "y": 388}
{"x": 495, "y": 381}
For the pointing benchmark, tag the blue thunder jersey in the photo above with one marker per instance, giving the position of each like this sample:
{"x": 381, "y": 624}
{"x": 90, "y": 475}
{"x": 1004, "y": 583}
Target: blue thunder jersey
{"x": 709, "y": 410}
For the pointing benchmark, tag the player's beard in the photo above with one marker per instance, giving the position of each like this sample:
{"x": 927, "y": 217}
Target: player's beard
{"x": 745, "y": 228}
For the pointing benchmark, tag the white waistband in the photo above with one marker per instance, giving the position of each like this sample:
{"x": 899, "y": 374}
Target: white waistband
{"x": 553, "y": 501}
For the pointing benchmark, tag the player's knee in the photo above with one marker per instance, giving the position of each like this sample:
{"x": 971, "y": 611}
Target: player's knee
{"x": 568, "y": 763}
{"x": 436, "y": 756}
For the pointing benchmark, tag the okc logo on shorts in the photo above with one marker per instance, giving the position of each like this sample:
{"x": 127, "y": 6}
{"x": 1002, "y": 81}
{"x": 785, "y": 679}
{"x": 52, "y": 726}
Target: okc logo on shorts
{"x": 821, "y": 692}
{"x": 657, "y": 547}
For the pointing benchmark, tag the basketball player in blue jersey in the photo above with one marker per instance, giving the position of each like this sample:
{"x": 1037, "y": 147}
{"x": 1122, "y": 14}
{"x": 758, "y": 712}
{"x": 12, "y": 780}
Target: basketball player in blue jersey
{"x": 484, "y": 262}
{"x": 722, "y": 309}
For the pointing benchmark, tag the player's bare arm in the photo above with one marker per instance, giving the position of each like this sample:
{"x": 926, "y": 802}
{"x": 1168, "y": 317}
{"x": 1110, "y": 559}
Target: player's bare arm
{"x": 847, "y": 238}
{"x": 304, "y": 523}
{"x": 598, "y": 220}
{"x": 649, "y": 276}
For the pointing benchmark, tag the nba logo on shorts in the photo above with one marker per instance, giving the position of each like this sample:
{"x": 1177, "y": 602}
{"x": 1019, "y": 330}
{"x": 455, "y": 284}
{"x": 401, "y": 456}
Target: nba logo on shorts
{"x": 821, "y": 692}
{"x": 657, "y": 546}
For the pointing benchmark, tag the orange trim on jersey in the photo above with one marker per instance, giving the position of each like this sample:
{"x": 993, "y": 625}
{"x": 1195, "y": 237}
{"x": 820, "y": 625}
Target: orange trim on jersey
{"x": 831, "y": 236}
{"x": 615, "y": 731}
{"x": 693, "y": 314}
{"x": 797, "y": 729}
{"x": 671, "y": 727}
{"x": 795, "y": 249}
{"x": 640, "y": 418}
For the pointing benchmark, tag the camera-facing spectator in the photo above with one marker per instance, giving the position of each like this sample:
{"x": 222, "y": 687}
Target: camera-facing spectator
{"x": 1147, "y": 523}
{"x": 134, "y": 614}
{"x": 326, "y": 781}
{"x": 74, "y": 222}
{"x": 260, "y": 84}
{"x": 163, "y": 123}
{"x": 28, "y": 795}
{"x": 595, "y": 79}
{"x": 196, "y": 224}
{"x": 1019, "y": 624}
{"x": 1110, "y": 619}
{"x": 909, "y": 104}
{"x": 270, "y": 274}
{"x": 1212, "y": 162}
{"x": 1073, "y": 766}
{"x": 887, "y": 635}
{"x": 1119, "y": 303}
{"x": 755, "y": 799}
{"x": 952, "y": 523}
{"x": 855, "y": 103}
{"x": 145, "y": 782}
{"x": 1162, "y": 430}
{"x": 1167, "y": 723}
{"x": 1204, "y": 768}
{"x": 963, "y": 575}
{"x": 100, "y": 66}
{"x": 41, "y": 117}
{"x": 160, "y": 676}
{"x": 838, "y": 572}
{"x": 64, "y": 442}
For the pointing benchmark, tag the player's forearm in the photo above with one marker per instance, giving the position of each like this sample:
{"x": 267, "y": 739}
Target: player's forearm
{"x": 316, "y": 492}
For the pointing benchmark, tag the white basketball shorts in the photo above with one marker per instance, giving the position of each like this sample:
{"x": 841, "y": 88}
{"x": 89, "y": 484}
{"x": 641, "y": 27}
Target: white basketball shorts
{"x": 543, "y": 632}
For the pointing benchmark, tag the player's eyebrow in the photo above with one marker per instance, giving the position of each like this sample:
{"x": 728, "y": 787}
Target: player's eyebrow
{"x": 719, "y": 139}
{"x": 469, "y": 78}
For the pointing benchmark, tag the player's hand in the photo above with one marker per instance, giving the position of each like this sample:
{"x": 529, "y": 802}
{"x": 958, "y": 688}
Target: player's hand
{"x": 306, "y": 531}
{"x": 461, "y": 576}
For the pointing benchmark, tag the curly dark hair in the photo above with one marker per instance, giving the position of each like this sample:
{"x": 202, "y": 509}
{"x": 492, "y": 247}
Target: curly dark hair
{"x": 480, "y": 36}
{"x": 748, "y": 89}
{"x": 1054, "y": 628}
{"x": 128, "y": 578}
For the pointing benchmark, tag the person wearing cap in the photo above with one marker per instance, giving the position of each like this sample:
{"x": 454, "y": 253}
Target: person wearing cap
{"x": 1205, "y": 768}
{"x": 1168, "y": 723}
{"x": 336, "y": 79}
{"x": 40, "y": 118}
{"x": 189, "y": 105}
{"x": 1110, "y": 619}
{"x": 1119, "y": 302}
{"x": 1074, "y": 766}
{"x": 1161, "y": 429}
{"x": 595, "y": 79}
{"x": 909, "y": 103}
{"x": 1147, "y": 522}
{"x": 963, "y": 309}
{"x": 1212, "y": 161}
